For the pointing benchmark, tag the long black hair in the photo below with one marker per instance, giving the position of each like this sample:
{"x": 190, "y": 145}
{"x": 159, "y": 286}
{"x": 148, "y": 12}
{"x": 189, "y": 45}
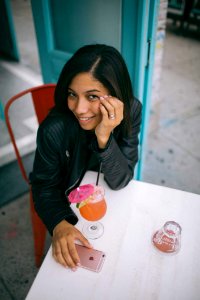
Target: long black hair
{"x": 106, "y": 64}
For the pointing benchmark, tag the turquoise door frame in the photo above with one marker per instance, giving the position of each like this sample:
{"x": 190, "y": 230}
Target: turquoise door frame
{"x": 124, "y": 24}
{"x": 146, "y": 76}
{"x": 8, "y": 42}
{"x": 140, "y": 61}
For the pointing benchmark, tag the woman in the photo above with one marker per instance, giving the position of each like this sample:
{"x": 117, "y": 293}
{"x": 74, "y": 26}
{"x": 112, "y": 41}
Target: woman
{"x": 95, "y": 120}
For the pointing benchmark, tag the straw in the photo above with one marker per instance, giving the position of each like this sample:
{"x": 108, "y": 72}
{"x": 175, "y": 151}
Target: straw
{"x": 97, "y": 182}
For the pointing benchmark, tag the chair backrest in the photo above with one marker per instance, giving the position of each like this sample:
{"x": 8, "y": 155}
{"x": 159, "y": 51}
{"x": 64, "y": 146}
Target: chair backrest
{"x": 43, "y": 101}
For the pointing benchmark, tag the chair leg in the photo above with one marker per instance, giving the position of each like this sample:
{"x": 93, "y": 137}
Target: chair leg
{"x": 39, "y": 234}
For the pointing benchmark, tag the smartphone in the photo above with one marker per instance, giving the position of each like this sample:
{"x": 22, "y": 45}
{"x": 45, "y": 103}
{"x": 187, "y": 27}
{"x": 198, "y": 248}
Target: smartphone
{"x": 90, "y": 259}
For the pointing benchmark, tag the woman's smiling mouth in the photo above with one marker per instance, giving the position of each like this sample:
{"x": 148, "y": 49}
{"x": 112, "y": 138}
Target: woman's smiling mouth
{"x": 84, "y": 119}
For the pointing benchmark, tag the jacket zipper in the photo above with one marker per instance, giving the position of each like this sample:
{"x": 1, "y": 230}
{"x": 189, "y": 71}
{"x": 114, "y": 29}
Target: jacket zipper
{"x": 73, "y": 184}
{"x": 100, "y": 166}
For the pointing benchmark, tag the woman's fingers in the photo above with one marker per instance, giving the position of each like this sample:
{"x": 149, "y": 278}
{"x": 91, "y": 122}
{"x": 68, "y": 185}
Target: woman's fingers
{"x": 84, "y": 241}
{"x": 71, "y": 257}
{"x": 104, "y": 111}
{"x": 65, "y": 253}
{"x": 73, "y": 260}
{"x": 117, "y": 105}
{"x": 109, "y": 108}
{"x": 63, "y": 246}
{"x": 112, "y": 115}
{"x": 57, "y": 254}
{"x": 73, "y": 253}
{"x": 112, "y": 108}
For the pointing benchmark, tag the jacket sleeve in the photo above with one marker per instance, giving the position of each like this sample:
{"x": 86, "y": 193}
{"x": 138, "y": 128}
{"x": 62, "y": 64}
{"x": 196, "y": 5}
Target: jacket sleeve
{"x": 47, "y": 179}
{"x": 120, "y": 157}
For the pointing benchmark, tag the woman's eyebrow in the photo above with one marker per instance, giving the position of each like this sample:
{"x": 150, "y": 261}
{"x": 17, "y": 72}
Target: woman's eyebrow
{"x": 91, "y": 91}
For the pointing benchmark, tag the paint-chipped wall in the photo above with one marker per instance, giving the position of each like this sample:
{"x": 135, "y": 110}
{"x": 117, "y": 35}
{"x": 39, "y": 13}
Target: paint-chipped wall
{"x": 160, "y": 39}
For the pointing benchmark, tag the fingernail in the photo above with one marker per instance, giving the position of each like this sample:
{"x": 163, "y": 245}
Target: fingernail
{"x": 101, "y": 98}
{"x": 106, "y": 96}
{"x": 74, "y": 269}
{"x": 78, "y": 264}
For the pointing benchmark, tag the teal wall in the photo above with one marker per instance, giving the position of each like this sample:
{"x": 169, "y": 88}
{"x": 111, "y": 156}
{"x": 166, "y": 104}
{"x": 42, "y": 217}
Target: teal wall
{"x": 95, "y": 21}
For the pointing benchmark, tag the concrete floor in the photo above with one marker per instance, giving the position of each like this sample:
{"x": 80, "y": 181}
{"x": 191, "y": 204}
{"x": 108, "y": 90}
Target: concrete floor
{"x": 173, "y": 142}
{"x": 172, "y": 149}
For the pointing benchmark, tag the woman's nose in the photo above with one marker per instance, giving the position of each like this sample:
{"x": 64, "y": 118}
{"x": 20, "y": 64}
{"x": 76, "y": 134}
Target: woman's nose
{"x": 81, "y": 106}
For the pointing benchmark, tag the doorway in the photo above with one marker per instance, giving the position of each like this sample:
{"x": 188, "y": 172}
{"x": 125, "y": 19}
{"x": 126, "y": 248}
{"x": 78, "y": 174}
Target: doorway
{"x": 17, "y": 76}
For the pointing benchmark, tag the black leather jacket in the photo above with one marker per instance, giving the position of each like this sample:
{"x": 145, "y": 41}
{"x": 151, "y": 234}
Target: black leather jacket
{"x": 65, "y": 151}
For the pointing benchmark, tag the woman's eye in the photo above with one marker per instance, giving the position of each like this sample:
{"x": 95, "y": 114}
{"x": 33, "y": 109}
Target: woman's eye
{"x": 71, "y": 95}
{"x": 93, "y": 97}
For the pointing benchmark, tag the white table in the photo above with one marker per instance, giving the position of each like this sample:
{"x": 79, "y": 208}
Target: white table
{"x": 133, "y": 268}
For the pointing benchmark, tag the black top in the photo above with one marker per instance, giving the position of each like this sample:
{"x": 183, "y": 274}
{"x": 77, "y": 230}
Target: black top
{"x": 65, "y": 151}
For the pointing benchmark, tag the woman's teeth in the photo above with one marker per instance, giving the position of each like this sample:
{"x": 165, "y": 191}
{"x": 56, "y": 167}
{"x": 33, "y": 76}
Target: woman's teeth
{"x": 85, "y": 119}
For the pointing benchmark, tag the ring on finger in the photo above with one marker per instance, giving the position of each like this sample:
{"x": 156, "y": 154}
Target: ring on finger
{"x": 111, "y": 116}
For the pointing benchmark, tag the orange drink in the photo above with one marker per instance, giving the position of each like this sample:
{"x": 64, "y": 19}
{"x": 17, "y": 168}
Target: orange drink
{"x": 90, "y": 201}
{"x": 94, "y": 207}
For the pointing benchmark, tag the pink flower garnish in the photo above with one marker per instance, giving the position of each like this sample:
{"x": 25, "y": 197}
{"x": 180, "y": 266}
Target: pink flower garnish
{"x": 81, "y": 193}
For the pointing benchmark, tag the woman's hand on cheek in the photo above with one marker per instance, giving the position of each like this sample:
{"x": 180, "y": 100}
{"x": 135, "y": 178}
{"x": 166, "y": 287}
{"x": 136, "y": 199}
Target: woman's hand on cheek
{"x": 112, "y": 115}
{"x": 63, "y": 246}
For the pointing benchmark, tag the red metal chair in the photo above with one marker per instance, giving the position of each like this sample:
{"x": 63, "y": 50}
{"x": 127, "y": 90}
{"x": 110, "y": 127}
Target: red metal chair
{"x": 43, "y": 101}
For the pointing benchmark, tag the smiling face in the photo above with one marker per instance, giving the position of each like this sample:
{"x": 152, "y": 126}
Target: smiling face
{"x": 83, "y": 100}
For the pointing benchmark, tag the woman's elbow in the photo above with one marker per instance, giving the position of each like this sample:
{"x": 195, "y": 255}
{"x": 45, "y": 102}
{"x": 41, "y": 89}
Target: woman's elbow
{"x": 120, "y": 183}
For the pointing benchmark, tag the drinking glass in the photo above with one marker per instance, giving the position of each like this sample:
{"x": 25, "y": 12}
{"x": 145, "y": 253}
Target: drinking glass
{"x": 92, "y": 207}
{"x": 168, "y": 238}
